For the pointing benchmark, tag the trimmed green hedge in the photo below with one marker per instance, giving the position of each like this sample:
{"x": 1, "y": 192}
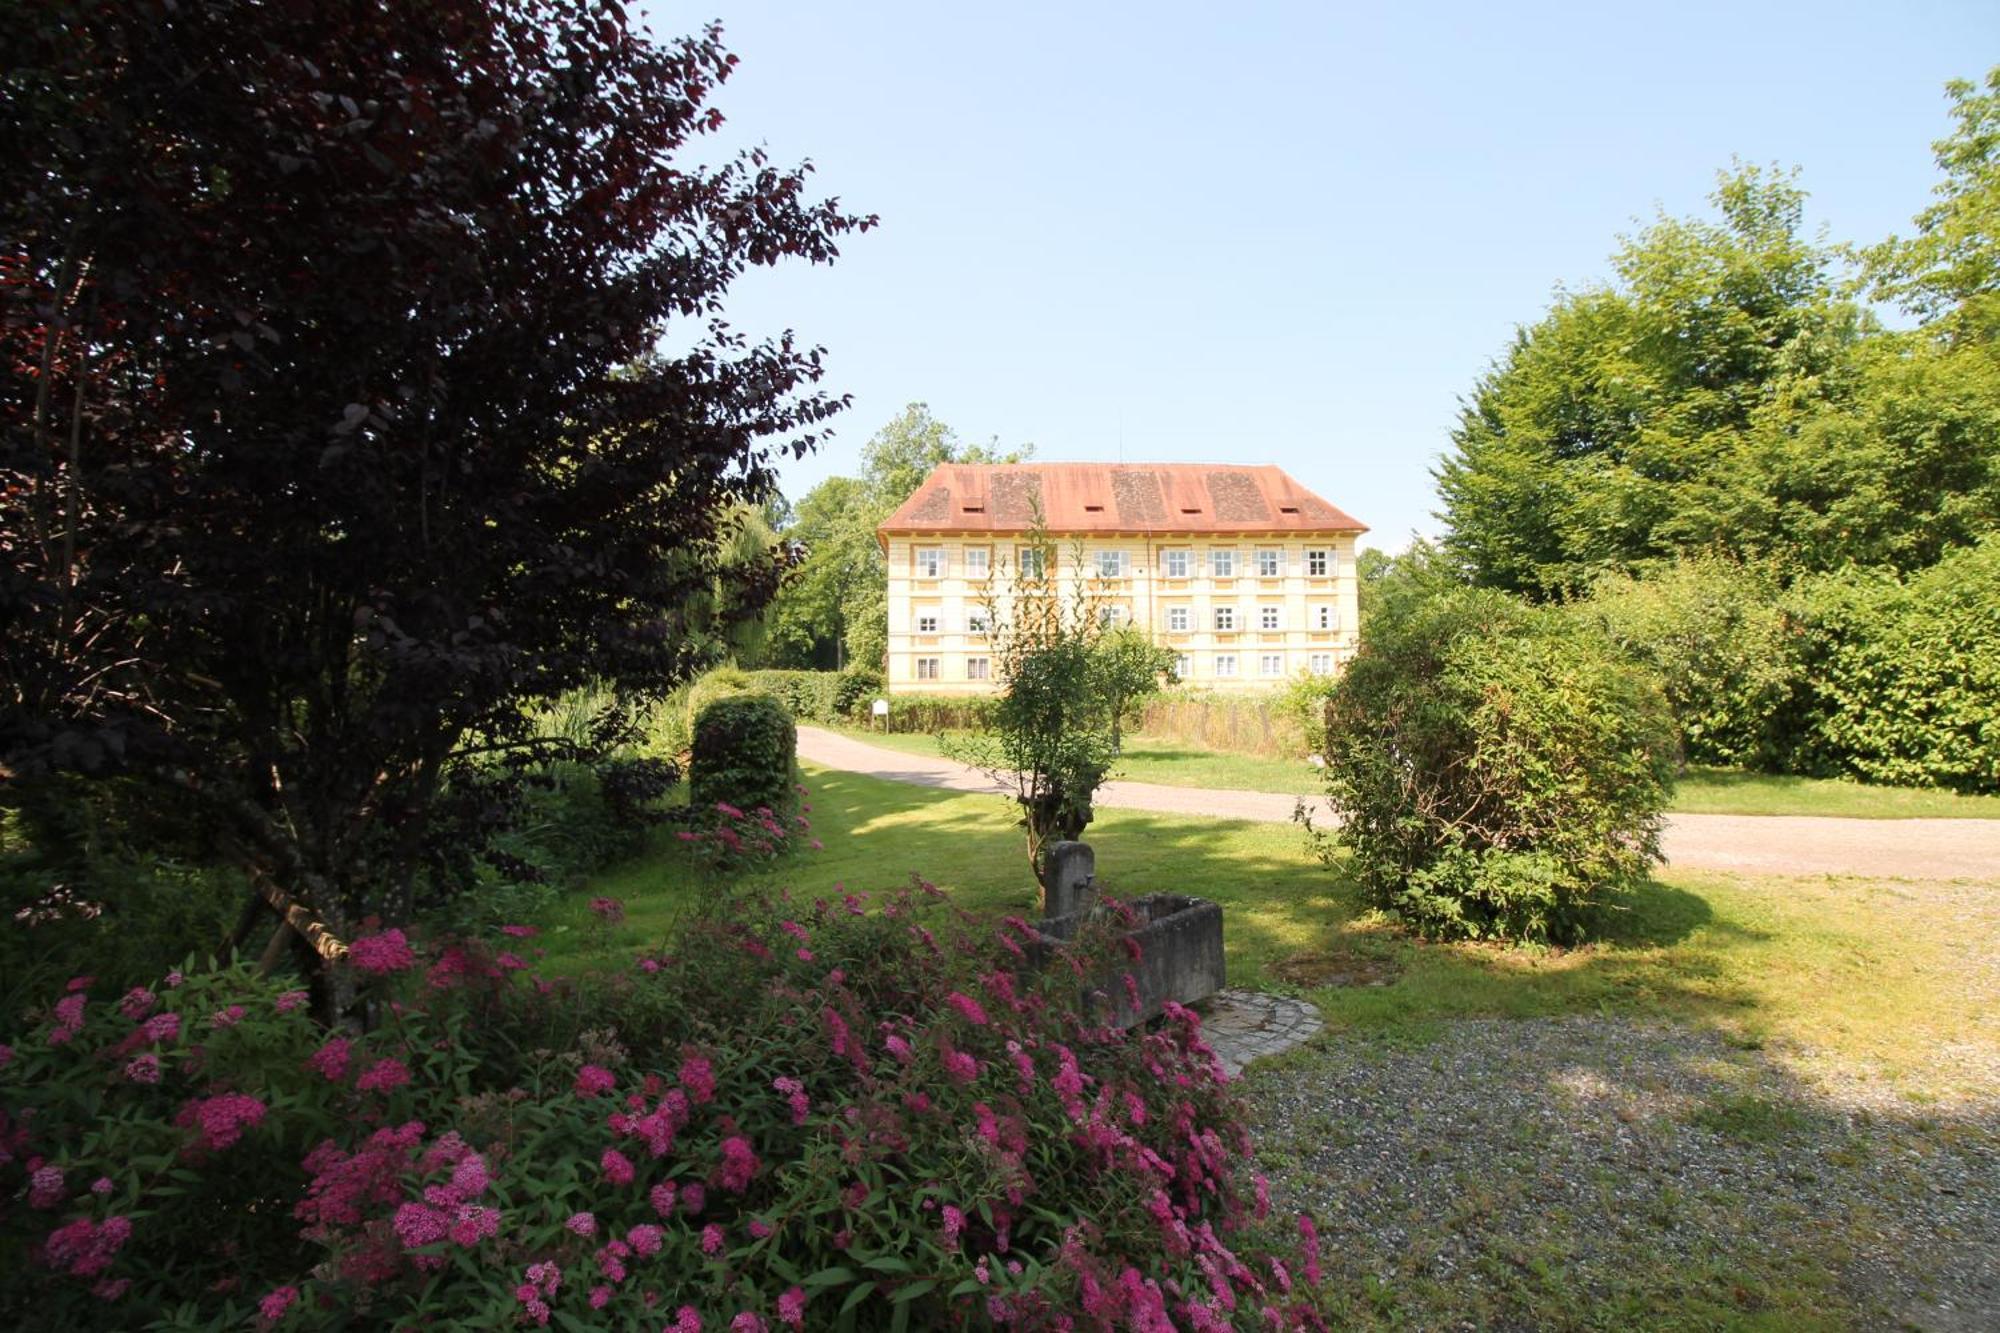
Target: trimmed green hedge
{"x": 745, "y": 753}
{"x": 1901, "y": 680}
{"x": 810, "y": 696}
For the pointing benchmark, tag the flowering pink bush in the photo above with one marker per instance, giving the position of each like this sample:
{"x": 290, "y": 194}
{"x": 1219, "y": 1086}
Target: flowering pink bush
{"x": 720, "y": 1143}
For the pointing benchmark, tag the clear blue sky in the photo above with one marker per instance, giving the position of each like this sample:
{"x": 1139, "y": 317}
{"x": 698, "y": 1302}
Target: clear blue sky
{"x": 1286, "y": 233}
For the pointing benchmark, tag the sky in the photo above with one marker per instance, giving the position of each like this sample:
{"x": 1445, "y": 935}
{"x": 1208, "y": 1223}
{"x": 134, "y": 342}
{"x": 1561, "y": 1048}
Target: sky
{"x": 1279, "y": 233}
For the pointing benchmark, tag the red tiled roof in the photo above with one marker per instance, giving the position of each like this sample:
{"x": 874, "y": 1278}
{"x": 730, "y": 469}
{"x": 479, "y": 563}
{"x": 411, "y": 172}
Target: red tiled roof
{"x": 1115, "y": 497}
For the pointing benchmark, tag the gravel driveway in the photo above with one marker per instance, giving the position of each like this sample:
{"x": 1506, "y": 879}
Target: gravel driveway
{"x": 1599, "y": 1173}
{"x": 1763, "y": 844}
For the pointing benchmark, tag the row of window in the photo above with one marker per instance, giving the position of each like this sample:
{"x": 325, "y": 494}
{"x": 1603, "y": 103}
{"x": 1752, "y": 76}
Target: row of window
{"x": 1223, "y": 666}
{"x": 1175, "y": 562}
{"x": 976, "y": 668}
{"x": 1268, "y": 664}
{"x": 1180, "y": 619}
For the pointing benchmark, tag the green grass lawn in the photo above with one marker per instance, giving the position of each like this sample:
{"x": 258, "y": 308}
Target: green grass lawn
{"x": 1714, "y": 791}
{"x": 1850, "y": 964}
{"x": 1872, "y": 980}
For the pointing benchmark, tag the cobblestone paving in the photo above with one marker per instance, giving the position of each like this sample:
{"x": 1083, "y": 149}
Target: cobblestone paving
{"x": 1244, "y": 1025}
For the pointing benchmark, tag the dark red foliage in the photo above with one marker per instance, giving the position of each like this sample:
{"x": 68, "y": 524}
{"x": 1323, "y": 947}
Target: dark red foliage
{"x": 334, "y": 427}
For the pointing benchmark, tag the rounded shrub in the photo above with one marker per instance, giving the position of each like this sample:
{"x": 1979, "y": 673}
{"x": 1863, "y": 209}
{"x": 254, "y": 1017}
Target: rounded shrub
{"x": 1499, "y": 769}
{"x": 744, "y": 754}
{"x": 840, "y": 1114}
{"x": 717, "y": 684}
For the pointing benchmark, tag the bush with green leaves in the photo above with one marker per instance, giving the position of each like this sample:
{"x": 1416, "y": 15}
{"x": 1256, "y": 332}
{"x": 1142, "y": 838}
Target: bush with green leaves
{"x": 1713, "y": 632}
{"x": 745, "y": 754}
{"x": 855, "y": 691}
{"x": 1499, "y": 769}
{"x": 829, "y": 1115}
{"x": 1902, "y": 676}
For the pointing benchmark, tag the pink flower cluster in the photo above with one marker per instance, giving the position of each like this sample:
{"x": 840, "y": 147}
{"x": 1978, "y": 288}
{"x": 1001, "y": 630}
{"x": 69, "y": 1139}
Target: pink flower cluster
{"x": 84, "y": 1248}
{"x": 330, "y": 1060}
{"x": 382, "y": 954}
{"x": 795, "y": 1096}
{"x": 220, "y": 1121}
{"x": 69, "y": 1019}
{"x": 739, "y": 1164}
{"x": 383, "y": 1076}
{"x": 540, "y": 1288}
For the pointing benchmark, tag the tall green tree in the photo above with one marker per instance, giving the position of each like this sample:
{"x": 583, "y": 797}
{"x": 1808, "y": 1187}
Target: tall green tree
{"x": 1949, "y": 271}
{"x": 1611, "y": 432}
{"x": 833, "y": 610}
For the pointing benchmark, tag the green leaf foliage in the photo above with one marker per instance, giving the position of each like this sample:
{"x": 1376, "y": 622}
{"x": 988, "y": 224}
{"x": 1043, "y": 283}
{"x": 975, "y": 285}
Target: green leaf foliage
{"x": 745, "y": 754}
{"x": 1712, "y": 633}
{"x": 1499, "y": 769}
{"x": 1727, "y": 392}
{"x": 1902, "y": 676}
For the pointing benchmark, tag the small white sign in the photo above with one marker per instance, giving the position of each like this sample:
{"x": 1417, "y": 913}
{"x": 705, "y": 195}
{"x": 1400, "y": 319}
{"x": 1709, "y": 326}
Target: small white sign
{"x": 881, "y": 708}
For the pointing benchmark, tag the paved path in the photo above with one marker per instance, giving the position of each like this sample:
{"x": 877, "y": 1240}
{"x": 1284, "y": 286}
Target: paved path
{"x": 1759, "y": 844}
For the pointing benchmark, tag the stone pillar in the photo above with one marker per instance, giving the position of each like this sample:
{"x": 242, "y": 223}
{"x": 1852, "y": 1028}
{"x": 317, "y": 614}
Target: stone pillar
{"x": 1070, "y": 871}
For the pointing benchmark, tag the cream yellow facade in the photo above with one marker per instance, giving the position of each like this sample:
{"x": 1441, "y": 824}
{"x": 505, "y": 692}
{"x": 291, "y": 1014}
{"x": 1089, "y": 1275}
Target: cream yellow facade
{"x": 1240, "y": 610}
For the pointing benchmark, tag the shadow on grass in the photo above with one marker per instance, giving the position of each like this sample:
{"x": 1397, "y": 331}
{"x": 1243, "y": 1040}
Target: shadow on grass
{"x": 1667, "y": 951}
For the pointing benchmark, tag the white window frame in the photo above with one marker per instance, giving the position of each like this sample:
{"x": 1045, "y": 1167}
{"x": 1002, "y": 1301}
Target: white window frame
{"x": 978, "y": 668}
{"x": 928, "y": 667}
{"x": 1111, "y": 617}
{"x": 927, "y": 622}
{"x": 1222, "y": 562}
{"x": 1270, "y": 562}
{"x": 931, "y": 563}
{"x": 1225, "y": 664}
{"x": 1270, "y": 618}
{"x": 1324, "y": 617}
{"x": 1184, "y": 666}
{"x": 1178, "y": 619}
{"x": 1320, "y": 664}
{"x": 1119, "y": 561}
{"x": 1029, "y": 561}
{"x": 1319, "y": 563}
{"x": 1176, "y": 560}
{"x": 975, "y": 622}
{"x": 1271, "y": 664}
{"x": 978, "y": 561}
{"x": 1225, "y": 620}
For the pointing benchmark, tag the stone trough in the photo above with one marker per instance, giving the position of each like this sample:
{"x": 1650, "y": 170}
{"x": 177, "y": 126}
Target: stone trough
{"x": 1179, "y": 939}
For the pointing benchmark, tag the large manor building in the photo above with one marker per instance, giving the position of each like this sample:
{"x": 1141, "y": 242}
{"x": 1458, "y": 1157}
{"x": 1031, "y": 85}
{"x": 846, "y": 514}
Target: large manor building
{"x": 1244, "y": 574}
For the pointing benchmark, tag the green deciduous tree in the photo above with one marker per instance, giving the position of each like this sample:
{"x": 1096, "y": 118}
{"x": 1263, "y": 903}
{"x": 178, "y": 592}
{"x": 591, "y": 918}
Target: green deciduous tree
{"x": 1050, "y": 744}
{"x": 1129, "y": 667}
{"x": 833, "y": 612}
{"x": 1612, "y": 431}
{"x": 1949, "y": 271}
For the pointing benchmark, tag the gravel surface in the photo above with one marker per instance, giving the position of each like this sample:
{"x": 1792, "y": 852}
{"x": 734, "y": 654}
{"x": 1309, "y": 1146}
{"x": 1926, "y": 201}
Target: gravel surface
{"x": 1597, "y": 1172}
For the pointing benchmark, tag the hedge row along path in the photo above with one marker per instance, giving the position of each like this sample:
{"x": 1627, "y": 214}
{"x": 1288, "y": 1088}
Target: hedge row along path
{"x": 1757, "y": 844}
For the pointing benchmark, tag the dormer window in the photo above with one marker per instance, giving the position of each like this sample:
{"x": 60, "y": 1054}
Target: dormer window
{"x": 1093, "y": 509}
{"x": 975, "y": 509}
